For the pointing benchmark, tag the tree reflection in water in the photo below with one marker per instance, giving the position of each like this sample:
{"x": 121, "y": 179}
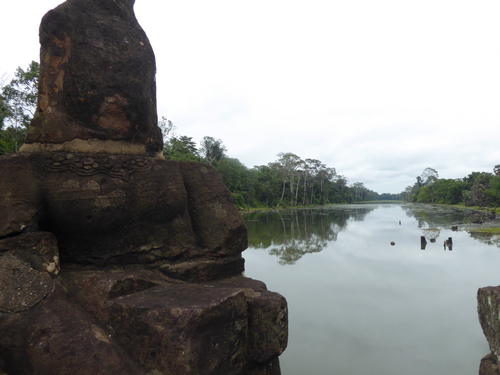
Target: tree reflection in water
{"x": 431, "y": 219}
{"x": 293, "y": 233}
{"x": 290, "y": 234}
{"x": 429, "y": 216}
{"x": 487, "y": 238}
{"x": 361, "y": 305}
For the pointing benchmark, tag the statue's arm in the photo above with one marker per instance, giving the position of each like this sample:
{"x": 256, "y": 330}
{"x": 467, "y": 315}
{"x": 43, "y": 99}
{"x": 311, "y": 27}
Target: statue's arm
{"x": 215, "y": 219}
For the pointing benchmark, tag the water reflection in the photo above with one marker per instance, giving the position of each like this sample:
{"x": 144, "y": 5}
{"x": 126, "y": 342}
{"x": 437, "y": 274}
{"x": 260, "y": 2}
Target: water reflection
{"x": 428, "y": 216}
{"x": 366, "y": 299}
{"x": 431, "y": 219}
{"x": 448, "y": 243}
{"x": 291, "y": 234}
{"x": 487, "y": 238}
{"x": 447, "y": 217}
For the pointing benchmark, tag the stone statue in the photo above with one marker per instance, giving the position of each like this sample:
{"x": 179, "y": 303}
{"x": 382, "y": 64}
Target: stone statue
{"x": 488, "y": 308}
{"x": 112, "y": 259}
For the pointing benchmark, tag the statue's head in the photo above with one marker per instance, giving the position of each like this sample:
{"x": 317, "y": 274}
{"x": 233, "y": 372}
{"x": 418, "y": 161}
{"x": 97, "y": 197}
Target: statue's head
{"x": 97, "y": 90}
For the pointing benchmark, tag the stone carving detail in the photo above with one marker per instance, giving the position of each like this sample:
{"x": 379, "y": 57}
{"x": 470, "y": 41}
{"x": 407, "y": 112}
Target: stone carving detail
{"x": 97, "y": 71}
{"x": 118, "y": 166}
{"x": 112, "y": 259}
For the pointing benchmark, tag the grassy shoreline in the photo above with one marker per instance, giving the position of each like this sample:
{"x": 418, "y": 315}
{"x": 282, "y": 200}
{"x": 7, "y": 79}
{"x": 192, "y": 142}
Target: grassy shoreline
{"x": 492, "y": 230}
{"x": 264, "y": 208}
{"x": 489, "y": 229}
{"x": 489, "y": 210}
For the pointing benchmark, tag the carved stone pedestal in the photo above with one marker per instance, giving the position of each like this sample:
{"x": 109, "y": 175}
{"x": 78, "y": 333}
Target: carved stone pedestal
{"x": 139, "y": 322}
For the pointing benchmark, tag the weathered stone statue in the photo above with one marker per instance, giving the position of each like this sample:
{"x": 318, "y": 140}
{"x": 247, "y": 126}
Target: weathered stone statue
{"x": 112, "y": 259}
{"x": 488, "y": 308}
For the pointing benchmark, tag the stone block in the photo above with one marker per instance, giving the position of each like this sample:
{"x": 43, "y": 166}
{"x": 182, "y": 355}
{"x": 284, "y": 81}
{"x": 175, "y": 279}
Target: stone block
{"x": 39, "y": 249}
{"x": 58, "y": 338}
{"x": 267, "y": 318}
{"x": 488, "y": 299}
{"x": 269, "y": 368}
{"x": 17, "y": 217}
{"x": 170, "y": 327}
{"x": 183, "y": 329}
{"x": 21, "y": 286}
{"x": 205, "y": 270}
{"x": 489, "y": 365}
{"x": 215, "y": 218}
{"x": 268, "y": 326}
{"x": 234, "y": 324}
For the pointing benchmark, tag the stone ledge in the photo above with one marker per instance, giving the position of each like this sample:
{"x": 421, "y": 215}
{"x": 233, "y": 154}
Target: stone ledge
{"x": 228, "y": 326}
{"x": 488, "y": 308}
{"x": 489, "y": 365}
{"x": 91, "y": 146}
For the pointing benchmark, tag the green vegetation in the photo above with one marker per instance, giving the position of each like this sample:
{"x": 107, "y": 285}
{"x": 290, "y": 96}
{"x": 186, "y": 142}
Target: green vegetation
{"x": 17, "y": 107}
{"x": 381, "y": 201}
{"x": 480, "y": 190}
{"x": 289, "y": 181}
{"x": 485, "y": 230}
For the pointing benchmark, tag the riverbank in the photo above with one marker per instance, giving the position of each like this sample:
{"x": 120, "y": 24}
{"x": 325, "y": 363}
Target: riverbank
{"x": 482, "y": 219}
{"x": 271, "y": 209}
{"x": 487, "y": 220}
{"x": 346, "y": 253}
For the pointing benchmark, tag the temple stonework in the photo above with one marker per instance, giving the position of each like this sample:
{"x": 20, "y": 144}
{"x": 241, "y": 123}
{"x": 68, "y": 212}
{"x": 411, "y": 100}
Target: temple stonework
{"x": 112, "y": 259}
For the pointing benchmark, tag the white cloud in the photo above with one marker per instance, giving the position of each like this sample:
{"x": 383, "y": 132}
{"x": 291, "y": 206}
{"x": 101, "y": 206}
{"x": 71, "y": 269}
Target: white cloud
{"x": 380, "y": 90}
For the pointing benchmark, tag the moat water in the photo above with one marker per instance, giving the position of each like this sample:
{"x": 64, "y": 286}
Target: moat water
{"x": 359, "y": 305}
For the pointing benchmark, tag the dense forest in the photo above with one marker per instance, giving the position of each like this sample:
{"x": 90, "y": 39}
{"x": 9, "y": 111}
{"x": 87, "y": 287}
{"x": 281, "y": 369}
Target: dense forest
{"x": 17, "y": 106}
{"x": 477, "y": 189}
{"x": 289, "y": 181}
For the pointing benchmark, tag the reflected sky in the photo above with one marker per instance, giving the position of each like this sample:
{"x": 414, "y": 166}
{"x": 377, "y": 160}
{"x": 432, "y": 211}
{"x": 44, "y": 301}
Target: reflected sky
{"x": 362, "y": 306}
{"x": 291, "y": 234}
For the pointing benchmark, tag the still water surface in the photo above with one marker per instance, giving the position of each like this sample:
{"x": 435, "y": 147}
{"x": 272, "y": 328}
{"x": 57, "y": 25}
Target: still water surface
{"x": 359, "y": 305}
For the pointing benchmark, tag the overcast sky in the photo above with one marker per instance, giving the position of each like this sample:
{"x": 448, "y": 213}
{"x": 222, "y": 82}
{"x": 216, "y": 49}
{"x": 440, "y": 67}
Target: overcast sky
{"x": 379, "y": 90}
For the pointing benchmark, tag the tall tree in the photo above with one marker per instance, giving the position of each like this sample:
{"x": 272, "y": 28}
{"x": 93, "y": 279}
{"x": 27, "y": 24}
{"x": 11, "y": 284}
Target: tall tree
{"x": 4, "y": 110}
{"x": 341, "y": 192}
{"x": 5, "y": 144}
{"x": 324, "y": 177}
{"x": 287, "y": 165}
{"x": 359, "y": 191}
{"x": 314, "y": 167}
{"x": 167, "y": 128}
{"x": 20, "y": 97}
{"x": 181, "y": 148}
{"x": 496, "y": 170}
{"x": 307, "y": 173}
{"x": 212, "y": 150}
{"x": 176, "y": 147}
{"x": 429, "y": 176}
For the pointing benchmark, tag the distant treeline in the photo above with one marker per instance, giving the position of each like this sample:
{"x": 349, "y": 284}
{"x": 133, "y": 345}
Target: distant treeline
{"x": 288, "y": 181}
{"x": 291, "y": 181}
{"x": 477, "y": 189}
